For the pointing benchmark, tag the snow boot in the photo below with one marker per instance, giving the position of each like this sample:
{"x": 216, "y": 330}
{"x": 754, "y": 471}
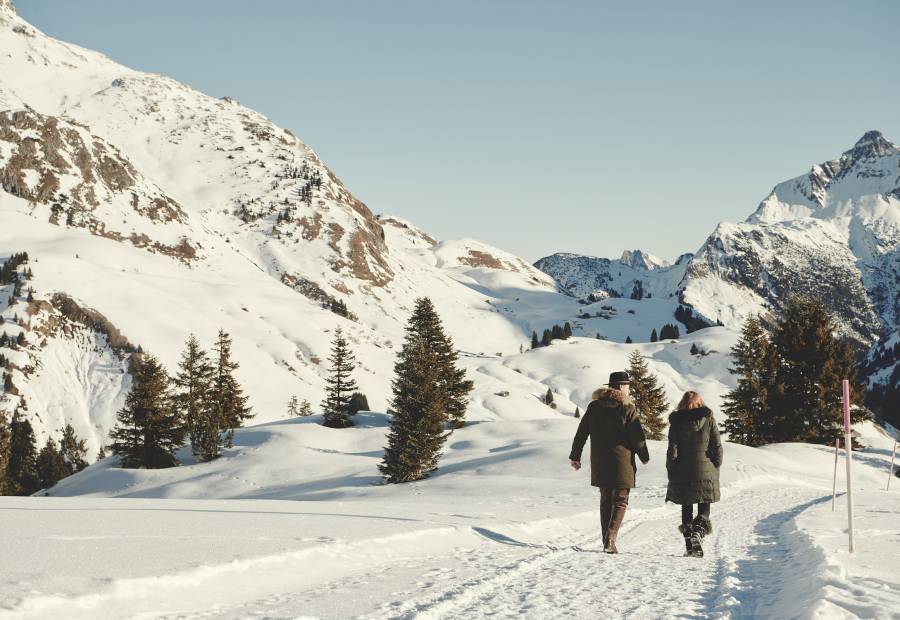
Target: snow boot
{"x": 611, "y": 547}
{"x": 685, "y": 530}
{"x": 699, "y": 530}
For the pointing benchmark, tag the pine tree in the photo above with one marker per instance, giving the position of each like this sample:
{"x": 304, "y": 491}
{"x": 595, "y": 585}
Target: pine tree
{"x": 806, "y": 401}
{"x": 418, "y": 407}
{"x": 149, "y": 429}
{"x": 694, "y": 349}
{"x": 101, "y": 454}
{"x": 577, "y": 412}
{"x": 358, "y": 402}
{"x": 754, "y": 363}
{"x": 192, "y": 398}
{"x": 653, "y": 336}
{"x": 73, "y": 450}
{"x": 426, "y": 325}
{"x": 22, "y": 473}
{"x": 648, "y": 396}
{"x": 305, "y": 408}
{"x": 548, "y": 398}
{"x": 567, "y": 331}
{"x": 5, "y": 440}
{"x": 547, "y": 338}
{"x": 628, "y": 340}
{"x": 535, "y": 343}
{"x": 293, "y": 407}
{"x": 227, "y": 396}
{"x": 339, "y": 384}
{"x": 51, "y": 465}
{"x": 556, "y": 333}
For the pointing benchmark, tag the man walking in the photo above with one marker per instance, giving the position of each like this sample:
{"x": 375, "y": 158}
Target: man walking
{"x": 616, "y": 434}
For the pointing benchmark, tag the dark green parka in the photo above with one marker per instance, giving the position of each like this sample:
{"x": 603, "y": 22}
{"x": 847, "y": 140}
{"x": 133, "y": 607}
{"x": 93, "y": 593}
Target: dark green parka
{"x": 616, "y": 435}
{"x": 694, "y": 457}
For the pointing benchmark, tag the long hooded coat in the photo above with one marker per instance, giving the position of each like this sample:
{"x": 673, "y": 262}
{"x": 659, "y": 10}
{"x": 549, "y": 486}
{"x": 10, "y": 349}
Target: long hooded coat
{"x": 694, "y": 457}
{"x": 612, "y": 423}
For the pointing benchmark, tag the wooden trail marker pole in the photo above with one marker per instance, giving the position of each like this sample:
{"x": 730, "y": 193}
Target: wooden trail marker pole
{"x": 837, "y": 447}
{"x": 891, "y": 472}
{"x": 848, "y": 446}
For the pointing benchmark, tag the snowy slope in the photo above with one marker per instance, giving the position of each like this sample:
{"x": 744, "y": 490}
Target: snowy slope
{"x": 168, "y": 211}
{"x": 504, "y": 529}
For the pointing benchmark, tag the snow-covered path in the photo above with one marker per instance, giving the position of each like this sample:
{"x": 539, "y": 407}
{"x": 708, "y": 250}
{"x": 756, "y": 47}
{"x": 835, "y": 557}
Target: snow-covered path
{"x": 479, "y": 540}
{"x": 649, "y": 579}
{"x": 570, "y": 576}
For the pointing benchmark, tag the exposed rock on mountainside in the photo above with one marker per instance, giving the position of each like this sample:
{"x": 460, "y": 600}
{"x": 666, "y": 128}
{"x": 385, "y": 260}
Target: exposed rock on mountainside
{"x": 77, "y": 179}
{"x": 833, "y": 234}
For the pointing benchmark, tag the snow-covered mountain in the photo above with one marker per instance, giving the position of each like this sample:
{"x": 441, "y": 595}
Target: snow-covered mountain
{"x": 150, "y": 211}
{"x": 833, "y": 234}
{"x": 636, "y": 274}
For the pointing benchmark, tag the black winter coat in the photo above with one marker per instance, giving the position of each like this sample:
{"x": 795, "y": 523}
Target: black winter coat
{"x": 612, "y": 423}
{"x": 694, "y": 457}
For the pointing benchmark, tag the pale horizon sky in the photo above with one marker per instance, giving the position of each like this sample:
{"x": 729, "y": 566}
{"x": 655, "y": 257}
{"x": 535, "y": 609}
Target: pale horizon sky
{"x": 537, "y": 127}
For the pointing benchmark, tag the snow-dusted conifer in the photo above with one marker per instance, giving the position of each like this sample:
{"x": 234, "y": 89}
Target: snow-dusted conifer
{"x": 748, "y": 418}
{"x": 51, "y": 465}
{"x": 226, "y": 393}
{"x": 648, "y": 396}
{"x": 73, "y": 450}
{"x": 192, "y": 398}
{"x": 22, "y": 473}
{"x": 339, "y": 385}
{"x": 5, "y": 441}
{"x": 417, "y": 433}
{"x": 149, "y": 429}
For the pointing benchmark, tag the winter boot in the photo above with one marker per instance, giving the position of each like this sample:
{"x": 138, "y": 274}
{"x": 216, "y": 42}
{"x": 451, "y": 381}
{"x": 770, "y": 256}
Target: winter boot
{"x": 611, "y": 546}
{"x": 700, "y": 529}
{"x": 615, "y": 522}
{"x": 685, "y": 530}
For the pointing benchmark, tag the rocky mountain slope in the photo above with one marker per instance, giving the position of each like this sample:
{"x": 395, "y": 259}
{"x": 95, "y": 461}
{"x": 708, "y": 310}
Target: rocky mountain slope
{"x": 166, "y": 211}
{"x": 833, "y": 234}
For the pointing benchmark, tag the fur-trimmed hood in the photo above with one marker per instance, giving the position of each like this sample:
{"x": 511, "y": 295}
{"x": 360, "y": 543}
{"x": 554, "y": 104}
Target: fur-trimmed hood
{"x": 697, "y": 417}
{"x": 611, "y": 397}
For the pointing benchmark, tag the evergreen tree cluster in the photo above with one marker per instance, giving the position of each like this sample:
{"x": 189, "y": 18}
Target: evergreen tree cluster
{"x": 648, "y": 396}
{"x": 789, "y": 379}
{"x": 202, "y": 404}
{"x": 339, "y": 307}
{"x": 637, "y": 291}
{"x": 23, "y": 469}
{"x": 9, "y": 271}
{"x": 884, "y": 395}
{"x": 691, "y": 322}
{"x": 13, "y": 342}
{"x": 557, "y": 332}
{"x": 669, "y": 331}
{"x": 430, "y": 393}
{"x": 299, "y": 408}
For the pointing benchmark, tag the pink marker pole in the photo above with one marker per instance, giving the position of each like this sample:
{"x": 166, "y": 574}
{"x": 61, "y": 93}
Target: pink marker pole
{"x": 848, "y": 445}
{"x": 837, "y": 448}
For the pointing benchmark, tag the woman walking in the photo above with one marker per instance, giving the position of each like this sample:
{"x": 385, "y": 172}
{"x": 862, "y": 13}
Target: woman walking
{"x": 692, "y": 461}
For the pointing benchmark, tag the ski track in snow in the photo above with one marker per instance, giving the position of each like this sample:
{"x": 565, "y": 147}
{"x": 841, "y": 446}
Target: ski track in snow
{"x": 742, "y": 576}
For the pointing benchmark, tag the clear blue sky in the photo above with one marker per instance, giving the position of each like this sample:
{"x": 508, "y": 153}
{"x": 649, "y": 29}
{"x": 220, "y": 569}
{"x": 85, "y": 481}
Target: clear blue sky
{"x": 536, "y": 126}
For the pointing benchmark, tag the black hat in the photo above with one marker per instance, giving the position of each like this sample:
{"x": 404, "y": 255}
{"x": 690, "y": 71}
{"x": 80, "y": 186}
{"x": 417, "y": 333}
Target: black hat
{"x": 619, "y": 378}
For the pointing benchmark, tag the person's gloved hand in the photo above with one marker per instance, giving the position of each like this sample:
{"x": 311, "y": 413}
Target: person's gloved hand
{"x": 576, "y": 465}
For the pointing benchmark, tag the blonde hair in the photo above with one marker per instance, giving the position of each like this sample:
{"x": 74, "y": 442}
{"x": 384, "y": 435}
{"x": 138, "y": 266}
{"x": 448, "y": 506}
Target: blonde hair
{"x": 690, "y": 400}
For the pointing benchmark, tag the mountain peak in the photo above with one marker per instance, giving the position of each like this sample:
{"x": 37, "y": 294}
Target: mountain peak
{"x": 872, "y": 144}
{"x": 641, "y": 260}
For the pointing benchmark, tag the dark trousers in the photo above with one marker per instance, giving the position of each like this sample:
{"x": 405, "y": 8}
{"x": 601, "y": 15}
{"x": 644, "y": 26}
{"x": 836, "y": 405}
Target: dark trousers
{"x": 687, "y": 512}
{"x": 613, "y": 503}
